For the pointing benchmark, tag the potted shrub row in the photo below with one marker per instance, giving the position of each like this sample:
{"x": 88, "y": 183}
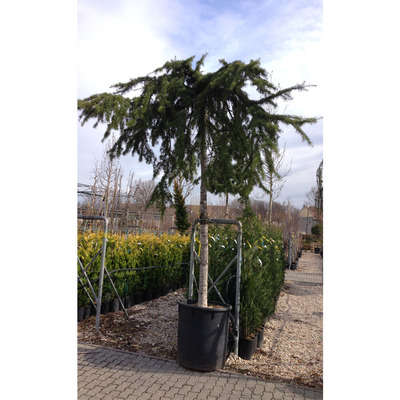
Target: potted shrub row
{"x": 261, "y": 277}
{"x": 125, "y": 256}
{"x": 261, "y": 283}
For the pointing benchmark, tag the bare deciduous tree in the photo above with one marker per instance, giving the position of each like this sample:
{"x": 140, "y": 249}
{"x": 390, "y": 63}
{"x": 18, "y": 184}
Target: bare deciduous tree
{"x": 275, "y": 178}
{"x": 143, "y": 192}
{"x": 311, "y": 196}
{"x": 108, "y": 178}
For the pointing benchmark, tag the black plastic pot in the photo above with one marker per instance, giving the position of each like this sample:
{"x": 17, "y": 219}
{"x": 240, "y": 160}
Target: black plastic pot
{"x": 202, "y": 335}
{"x": 128, "y": 302}
{"x": 260, "y": 338}
{"x": 164, "y": 290}
{"x": 317, "y": 250}
{"x": 81, "y": 313}
{"x": 105, "y": 307}
{"x": 138, "y": 298}
{"x": 87, "y": 312}
{"x": 156, "y": 293}
{"x": 114, "y": 305}
{"x": 148, "y": 295}
{"x": 247, "y": 347}
{"x": 299, "y": 253}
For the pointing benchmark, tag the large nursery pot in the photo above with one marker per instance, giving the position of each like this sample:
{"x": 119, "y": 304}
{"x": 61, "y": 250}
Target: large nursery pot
{"x": 203, "y": 335}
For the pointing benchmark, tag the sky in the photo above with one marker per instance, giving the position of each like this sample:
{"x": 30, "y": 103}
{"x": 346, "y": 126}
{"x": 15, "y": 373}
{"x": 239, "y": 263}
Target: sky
{"x": 121, "y": 39}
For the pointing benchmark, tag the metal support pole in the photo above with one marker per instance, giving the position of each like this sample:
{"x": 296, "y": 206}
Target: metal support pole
{"x": 116, "y": 292}
{"x": 103, "y": 258}
{"x": 101, "y": 277}
{"x": 237, "y": 299}
{"x": 85, "y": 274}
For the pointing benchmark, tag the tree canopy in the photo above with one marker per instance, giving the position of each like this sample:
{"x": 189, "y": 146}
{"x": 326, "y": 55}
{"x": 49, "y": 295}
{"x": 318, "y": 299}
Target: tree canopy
{"x": 178, "y": 103}
{"x": 204, "y": 126}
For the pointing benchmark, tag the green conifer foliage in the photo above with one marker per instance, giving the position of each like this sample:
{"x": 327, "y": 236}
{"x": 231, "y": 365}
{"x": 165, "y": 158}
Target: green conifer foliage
{"x": 205, "y": 126}
{"x": 181, "y": 215}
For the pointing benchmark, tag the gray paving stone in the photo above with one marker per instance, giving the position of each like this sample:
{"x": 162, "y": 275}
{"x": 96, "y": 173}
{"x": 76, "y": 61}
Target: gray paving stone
{"x": 105, "y": 373}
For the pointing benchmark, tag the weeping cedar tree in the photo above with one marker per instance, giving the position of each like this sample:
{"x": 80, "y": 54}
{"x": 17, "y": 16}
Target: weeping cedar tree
{"x": 181, "y": 215}
{"x": 184, "y": 120}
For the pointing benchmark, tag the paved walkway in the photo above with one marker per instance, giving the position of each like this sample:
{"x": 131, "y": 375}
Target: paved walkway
{"x": 105, "y": 373}
{"x": 295, "y": 276}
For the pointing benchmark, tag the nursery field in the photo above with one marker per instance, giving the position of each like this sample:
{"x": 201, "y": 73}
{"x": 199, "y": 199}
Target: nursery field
{"x": 292, "y": 346}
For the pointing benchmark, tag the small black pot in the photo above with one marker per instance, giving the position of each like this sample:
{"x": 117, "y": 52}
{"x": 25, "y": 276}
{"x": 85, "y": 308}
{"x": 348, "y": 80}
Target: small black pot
{"x": 114, "y": 305}
{"x": 148, "y": 295}
{"x": 317, "y": 250}
{"x": 247, "y": 347}
{"x": 128, "y": 302}
{"x": 81, "y": 313}
{"x": 105, "y": 307}
{"x": 164, "y": 290}
{"x": 87, "y": 312}
{"x": 299, "y": 253}
{"x": 156, "y": 293}
{"x": 260, "y": 338}
{"x": 138, "y": 298}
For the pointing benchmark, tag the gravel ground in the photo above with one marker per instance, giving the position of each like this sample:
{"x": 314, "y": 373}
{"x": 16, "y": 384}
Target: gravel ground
{"x": 292, "y": 349}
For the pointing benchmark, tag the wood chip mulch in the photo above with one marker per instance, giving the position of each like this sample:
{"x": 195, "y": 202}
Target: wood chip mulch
{"x": 292, "y": 350}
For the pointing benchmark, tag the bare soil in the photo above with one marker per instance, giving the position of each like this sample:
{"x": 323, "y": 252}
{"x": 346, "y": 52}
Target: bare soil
{"x": 292, "y": 350}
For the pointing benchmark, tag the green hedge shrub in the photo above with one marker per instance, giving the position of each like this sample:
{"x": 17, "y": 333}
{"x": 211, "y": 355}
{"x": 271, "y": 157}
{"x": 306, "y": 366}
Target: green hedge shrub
{"x": 262, "y": 273}
{"x": 125, "y": 252}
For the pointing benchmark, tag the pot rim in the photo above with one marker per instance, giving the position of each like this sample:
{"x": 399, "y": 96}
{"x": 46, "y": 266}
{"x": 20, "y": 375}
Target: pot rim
{"x": 227, "y": 307}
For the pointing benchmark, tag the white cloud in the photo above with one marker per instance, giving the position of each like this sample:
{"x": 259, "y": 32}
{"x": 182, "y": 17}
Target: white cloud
{"x": 116, "y": 47}
{"x": 120, "y": 40}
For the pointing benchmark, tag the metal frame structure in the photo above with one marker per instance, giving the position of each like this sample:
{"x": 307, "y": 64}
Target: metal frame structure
{"x": 237, "y": 258}
{"x": 103, "y": 269}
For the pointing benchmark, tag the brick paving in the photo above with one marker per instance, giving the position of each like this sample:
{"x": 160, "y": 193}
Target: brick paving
{"x": 105, "y": 373}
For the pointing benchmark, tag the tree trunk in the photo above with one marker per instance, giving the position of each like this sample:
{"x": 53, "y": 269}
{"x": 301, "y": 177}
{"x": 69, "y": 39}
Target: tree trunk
{"x": 227, "y": 206}
{"x": 203, "y": 274}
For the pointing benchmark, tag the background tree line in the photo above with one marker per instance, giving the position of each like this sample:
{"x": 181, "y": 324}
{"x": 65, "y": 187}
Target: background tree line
{"x": 110, "y": 195}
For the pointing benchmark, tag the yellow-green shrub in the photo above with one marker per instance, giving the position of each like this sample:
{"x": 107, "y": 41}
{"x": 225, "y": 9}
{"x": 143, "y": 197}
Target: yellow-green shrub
{"x": 127, "y": 253}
